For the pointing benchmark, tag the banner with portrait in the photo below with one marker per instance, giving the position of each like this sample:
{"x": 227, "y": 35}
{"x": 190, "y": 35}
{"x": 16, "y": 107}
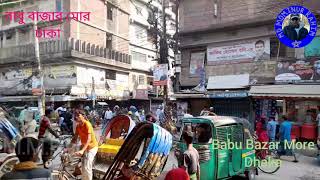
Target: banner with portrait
{"x": 196, "y": 63}
{"x": 244, "y": 51}
{"x": 298, "y": 71}
{"x": 160, "y": 75}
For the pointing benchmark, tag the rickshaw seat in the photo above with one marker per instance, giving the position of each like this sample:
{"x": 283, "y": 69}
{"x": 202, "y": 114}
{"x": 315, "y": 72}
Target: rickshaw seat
{"x": 111, "y": 146}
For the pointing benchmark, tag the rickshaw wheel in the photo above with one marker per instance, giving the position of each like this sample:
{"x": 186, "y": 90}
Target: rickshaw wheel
{"x": 250, "y": 174}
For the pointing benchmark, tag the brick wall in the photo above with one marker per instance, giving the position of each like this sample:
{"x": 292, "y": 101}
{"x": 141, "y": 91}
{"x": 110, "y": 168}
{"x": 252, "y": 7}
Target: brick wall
{"x": 200, "y": 14}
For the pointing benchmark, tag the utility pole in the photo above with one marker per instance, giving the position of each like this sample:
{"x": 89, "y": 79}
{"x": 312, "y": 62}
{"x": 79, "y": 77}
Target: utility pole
{"x": 164, "y": 45}
{"x": 176, "y": 48}
{"x": 41, "y": 96}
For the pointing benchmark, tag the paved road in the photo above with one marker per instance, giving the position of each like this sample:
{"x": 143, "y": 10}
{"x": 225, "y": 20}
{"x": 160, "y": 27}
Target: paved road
{"x": 306, "y": 169}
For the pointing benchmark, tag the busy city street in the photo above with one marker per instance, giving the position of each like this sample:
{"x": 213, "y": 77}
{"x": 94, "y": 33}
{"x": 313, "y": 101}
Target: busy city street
{"x": 159, "y": 89}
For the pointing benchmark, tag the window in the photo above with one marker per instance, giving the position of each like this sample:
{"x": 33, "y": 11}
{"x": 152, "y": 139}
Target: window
{"x": 109, "y": 42}
{"x": 58, "y": 5}
{"x": 141, "y": 80}
{"x": 109, "y": 12}
{"x": 5, "y": 20}
{"x": 110, "y": 74}
{"x": 202, "y": 132}
{"x": 136, "y": 56}
{"x": 150, "y": 37}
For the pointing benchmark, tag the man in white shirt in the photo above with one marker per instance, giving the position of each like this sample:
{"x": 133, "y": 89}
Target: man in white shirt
{"x": 107, "y": 116}
{"x": 186, "y": 114}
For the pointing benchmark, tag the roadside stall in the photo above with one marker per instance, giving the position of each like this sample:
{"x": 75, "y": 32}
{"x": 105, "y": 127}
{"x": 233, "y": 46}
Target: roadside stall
{"x": 299, "y": 102}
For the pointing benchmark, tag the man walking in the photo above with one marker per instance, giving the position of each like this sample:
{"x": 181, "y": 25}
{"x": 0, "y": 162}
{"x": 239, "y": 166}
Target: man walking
{"x": 108, "y": 115}
{"x": 271, "y": 128}
{"x": 89, "y": 144}
{"x": 49, "y": 144}
{"x": 191, "y": 157}
{"x": 285, "y": 137}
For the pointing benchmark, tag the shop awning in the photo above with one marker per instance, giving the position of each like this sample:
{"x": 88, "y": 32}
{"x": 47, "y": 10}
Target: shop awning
{"x": 189, "y": 95}
{"x": 288, "y": 90}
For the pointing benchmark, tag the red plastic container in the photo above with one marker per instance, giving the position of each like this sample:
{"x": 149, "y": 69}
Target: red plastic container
{"x": 309, "y": 132}
{"x": 296, "y": 131}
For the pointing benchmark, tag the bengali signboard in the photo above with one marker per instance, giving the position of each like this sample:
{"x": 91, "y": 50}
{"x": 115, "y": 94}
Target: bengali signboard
{"x": 60, "y": 76}
{"x": 160, "y": 74}
{"x": 248, "y": 51}
{"x": 298, "y": 71}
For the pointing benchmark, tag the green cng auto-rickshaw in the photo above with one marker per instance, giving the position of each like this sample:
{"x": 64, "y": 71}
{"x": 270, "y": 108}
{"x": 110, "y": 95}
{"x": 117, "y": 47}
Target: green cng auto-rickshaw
{"x": 214, "y": 138}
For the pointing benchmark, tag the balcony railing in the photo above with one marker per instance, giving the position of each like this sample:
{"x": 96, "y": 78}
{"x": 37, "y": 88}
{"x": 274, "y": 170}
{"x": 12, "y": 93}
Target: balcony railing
{"x": 64, "y": 48}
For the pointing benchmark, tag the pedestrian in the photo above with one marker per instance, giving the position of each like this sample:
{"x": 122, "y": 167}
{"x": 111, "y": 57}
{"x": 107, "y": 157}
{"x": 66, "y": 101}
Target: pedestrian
{"x": 21, "y": 118}
{"x": 68, "y": 120}
{"x": 108, "y": 115}
{"x": 160, "y": 115}
{"x": 116, "y": 110}
{"x": 285, "y": 137}
{"x": 204, "y": 111}
{"x": 186, "y": 114}
{"x": 49, "y": 144}
{"x": 30, "y": 124}
{"x": 26, "y": 151}
{"x": 177, "y": 174}
{"x": 89, "y": 144}
{"x": 191, "y": 157}
{"x": 151, "y": 118}
{"x": 262, "y": 138}
{"x": 271, "y": 128}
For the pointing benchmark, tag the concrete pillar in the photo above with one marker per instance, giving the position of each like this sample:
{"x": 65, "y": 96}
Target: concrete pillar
{"x": 17, "y": 37}
{"x": 4, "y": 39}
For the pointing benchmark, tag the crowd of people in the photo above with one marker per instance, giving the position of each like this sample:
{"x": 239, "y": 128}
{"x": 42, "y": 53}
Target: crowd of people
{"x": 271, "y": 131}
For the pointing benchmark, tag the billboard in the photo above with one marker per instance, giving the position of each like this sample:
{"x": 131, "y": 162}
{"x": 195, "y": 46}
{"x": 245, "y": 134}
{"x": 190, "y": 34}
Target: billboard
{"x": 298, "y": 71}
{"x": 160, "y": 75}
{"x": 246, "y": 51}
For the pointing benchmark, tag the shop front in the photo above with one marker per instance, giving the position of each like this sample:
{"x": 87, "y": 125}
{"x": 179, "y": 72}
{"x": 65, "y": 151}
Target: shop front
{"x": 300, "y": 103}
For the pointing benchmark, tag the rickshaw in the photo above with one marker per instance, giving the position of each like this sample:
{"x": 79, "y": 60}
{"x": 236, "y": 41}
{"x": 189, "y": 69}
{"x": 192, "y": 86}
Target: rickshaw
{"x": 143, "y": 155}
{"x": 8, "y": 137}
{"x": 111, "y": 140}
{"x": 216, "y": 161}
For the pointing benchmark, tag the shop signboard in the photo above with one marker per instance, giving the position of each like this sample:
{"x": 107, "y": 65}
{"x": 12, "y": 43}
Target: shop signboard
{"x": 218, "y": 95}
{"x": 160, "y": 74}
{"x": 299, "y": 71}
{"x": 245, "y": 51}
{"x": 60, "y": 76}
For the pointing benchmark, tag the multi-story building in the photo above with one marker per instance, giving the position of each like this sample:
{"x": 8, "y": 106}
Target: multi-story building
{"x": 236, "y": 45}
{"x": 89, "y": 60}
{"x": 143, "y": 38}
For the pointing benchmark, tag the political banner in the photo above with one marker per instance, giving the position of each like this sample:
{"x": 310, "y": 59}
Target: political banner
{"x": 248, "y": 51}
{"x": 160, "y": 75}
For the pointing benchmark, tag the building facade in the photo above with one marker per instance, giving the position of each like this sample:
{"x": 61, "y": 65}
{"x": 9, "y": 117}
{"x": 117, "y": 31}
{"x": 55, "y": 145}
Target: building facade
{"x": 235, "y": 44}
{"x": 90, "y": 59}
{"x": 144, "y": 39}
